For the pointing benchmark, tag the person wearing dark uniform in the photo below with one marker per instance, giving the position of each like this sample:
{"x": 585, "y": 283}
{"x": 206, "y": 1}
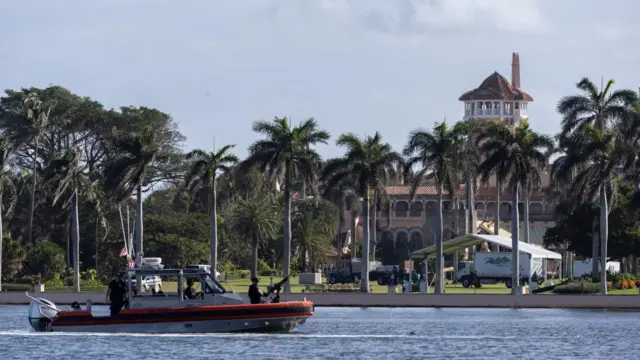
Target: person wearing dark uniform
{"x": 116, "y": 294}
{"x": 190, "y": 292}
{"x": 255, "y": 294}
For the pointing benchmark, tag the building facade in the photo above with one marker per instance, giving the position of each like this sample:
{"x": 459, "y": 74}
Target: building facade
{"x": 407, "y": 224}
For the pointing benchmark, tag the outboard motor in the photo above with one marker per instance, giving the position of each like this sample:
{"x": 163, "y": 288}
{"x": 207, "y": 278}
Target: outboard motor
{"x": 41, "y": 311}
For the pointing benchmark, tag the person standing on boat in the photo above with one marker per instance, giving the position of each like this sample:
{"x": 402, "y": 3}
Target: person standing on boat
{"x": 116, "y": 294}
{"x": 255, "y": 295}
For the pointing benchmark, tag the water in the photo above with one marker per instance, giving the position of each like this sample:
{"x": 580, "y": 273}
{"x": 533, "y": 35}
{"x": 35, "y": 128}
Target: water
{"x": 356, "y": 333}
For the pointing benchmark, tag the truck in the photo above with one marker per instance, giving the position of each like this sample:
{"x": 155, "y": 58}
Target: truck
{"x": 349, "y": 271}
{"x": 496, "y": 267}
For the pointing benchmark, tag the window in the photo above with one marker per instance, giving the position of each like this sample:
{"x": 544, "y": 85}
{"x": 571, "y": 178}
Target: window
{"x": 212, "y": 287}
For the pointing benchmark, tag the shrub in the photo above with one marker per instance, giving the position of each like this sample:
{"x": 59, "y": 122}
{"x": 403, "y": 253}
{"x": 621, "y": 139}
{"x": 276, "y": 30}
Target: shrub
{"x": 264, "y": 269}
{"x": 240, "y": 274}
{"x": 17, "y": 287}
{"x": 626, "y": 281}
{"x": 580, "y": 287}
{"x": 68, "y": 281}
{"x": 225, "y": 267}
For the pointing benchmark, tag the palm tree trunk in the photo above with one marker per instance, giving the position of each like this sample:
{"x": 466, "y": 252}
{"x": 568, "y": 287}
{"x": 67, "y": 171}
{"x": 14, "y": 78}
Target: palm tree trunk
{"x": 472, "y": 226}
{"x": 75, "y": 236}
{"x": 1, "y": 238}
{"x": 32, "y": 205}
{"x": 213, "y": 229}
{"x": 515, "y": 244}
{"x": 496, "y": 218}
{"x": 287, "y": 228}
{"x": 364, "y": 270}
{"x": 526, "y": 215}
{"x": 339, "y": 241}
{"x": 254, "y": 257}
{"x": 456, "y": 228}
{"x": 67, "y": 237}
{"x": 97, "y": 238}
{"x": 374, "y": 230}
{"x": 604, "y": 233}
{"x": 354, "y": 237}
{"x": 439, "y": 289}
{"x": 595, "y": 250}
{"x": 139, "y": 227}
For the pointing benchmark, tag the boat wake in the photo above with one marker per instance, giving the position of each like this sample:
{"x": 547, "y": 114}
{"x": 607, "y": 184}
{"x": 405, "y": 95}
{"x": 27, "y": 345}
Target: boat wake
{"x": 252, "y": 335}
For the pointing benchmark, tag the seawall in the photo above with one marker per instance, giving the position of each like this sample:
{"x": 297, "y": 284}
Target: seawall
{"x": 629, "y": 302}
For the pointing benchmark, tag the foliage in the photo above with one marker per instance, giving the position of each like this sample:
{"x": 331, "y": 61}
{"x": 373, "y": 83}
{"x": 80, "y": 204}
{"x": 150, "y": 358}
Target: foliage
{"x": 579, "y": 287}
{"x": 55, "y": 143}
{"x": 574, "y": 227}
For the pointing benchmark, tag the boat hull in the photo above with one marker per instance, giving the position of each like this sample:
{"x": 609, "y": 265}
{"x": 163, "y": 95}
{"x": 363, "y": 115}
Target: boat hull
{"x": 191, "y": 327}
{"x": 280, "y": 317}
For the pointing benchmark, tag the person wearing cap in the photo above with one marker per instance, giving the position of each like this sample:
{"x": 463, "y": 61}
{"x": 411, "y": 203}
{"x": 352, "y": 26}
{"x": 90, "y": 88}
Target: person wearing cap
{"x": 255, "y": 295}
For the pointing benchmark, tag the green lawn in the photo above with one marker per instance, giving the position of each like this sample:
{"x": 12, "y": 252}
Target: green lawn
{"x": 242, "y": 286}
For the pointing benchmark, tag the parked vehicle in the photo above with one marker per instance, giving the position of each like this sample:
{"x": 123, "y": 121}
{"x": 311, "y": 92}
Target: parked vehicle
{"x": 496, "y": 266}
{"x": 149, "y": 283}
{"x": 583, "y": 267}
{"x": 349, "y": 271}
{"x": 206, "y": 268}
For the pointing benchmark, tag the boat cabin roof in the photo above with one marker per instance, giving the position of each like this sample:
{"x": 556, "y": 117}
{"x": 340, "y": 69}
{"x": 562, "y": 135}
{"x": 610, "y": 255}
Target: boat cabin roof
{"x": 165, "y": 272}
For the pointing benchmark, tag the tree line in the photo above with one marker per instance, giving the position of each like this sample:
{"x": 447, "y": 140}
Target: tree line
{"x": 71, "y": 167}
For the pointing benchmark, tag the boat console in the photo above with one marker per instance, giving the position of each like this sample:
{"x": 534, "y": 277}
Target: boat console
{"x": 211, "y": 291}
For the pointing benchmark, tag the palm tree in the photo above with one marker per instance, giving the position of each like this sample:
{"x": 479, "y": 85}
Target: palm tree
{"x": 67, "y": 172}
{"x": 26, "y": 129}
{"x": 436, "y": 152}
{"x": 283, "y": 155}
{"x": 344, "y": 196}
{"x": 595, "y": 109}
{"x": 585, "y": 182}
{"x": 5, "y": 182}
{"x": 469, "y": 161}
{"x": 203, "y": 173}
{"x": 371, "y": 163}
{"x": 312, "y": 227}
{"x": 517, "y": 155}
{"x": 255, "y": 218}
{"x": 601, "y": 108}
{"x": 126, "y": 171}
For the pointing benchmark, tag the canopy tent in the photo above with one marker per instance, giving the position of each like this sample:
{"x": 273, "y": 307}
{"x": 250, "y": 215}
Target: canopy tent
{"x": 471, "y": 240}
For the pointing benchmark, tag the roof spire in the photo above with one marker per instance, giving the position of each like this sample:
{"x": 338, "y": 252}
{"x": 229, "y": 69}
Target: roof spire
{"x": 515, "y": 70}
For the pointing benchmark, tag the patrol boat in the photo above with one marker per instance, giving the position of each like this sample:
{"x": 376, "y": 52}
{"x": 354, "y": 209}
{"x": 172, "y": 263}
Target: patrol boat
{"x": 214, "y": 310}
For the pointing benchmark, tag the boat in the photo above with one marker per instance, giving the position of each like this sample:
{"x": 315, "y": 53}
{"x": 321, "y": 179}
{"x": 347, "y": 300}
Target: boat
{"x": 215, "y": 309}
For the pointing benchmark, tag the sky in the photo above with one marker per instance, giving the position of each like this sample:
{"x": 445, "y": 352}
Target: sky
{"x": 356, "y": 66}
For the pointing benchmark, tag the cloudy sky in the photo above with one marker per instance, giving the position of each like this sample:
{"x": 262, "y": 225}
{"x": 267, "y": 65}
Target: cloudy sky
{"x": 355, "y": 65}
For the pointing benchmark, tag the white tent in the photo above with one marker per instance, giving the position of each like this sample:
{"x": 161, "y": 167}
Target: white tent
{"x": 470, "y": 240}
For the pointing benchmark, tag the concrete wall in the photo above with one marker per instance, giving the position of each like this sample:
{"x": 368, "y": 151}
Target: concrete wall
{"x": 395, "y": 300}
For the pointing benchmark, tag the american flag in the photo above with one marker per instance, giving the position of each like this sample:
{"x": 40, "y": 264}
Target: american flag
{"x": 131, "y": 263}
{"x": 124, "y": 252}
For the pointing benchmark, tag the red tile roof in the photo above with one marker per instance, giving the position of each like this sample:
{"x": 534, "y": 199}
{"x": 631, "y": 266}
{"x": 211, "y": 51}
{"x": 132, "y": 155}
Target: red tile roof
{"x": 495, "y": 87}
{"x": 431, "y": 190}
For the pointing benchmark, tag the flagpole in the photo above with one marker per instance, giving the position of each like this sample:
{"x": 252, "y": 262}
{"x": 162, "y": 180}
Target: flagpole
{"x": 124, "y": 237}
{"x": 129, "y": 248}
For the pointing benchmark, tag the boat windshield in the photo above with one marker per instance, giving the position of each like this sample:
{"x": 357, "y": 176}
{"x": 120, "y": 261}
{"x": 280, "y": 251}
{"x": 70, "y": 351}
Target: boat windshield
{"x": 212, "y": 285}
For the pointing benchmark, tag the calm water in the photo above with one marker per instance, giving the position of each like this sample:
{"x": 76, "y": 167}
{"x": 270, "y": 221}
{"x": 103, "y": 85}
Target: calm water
{"x": 354, "y": 333}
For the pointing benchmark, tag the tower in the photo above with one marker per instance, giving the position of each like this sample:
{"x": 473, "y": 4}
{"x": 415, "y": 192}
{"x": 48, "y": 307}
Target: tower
{"x": 497, "y": 99}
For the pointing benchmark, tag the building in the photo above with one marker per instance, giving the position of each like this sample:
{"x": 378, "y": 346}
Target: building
{"x": 407, "y": 225}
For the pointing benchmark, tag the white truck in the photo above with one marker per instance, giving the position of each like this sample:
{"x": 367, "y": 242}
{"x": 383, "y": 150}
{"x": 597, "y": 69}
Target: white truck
{"x": 496, "y": 266}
